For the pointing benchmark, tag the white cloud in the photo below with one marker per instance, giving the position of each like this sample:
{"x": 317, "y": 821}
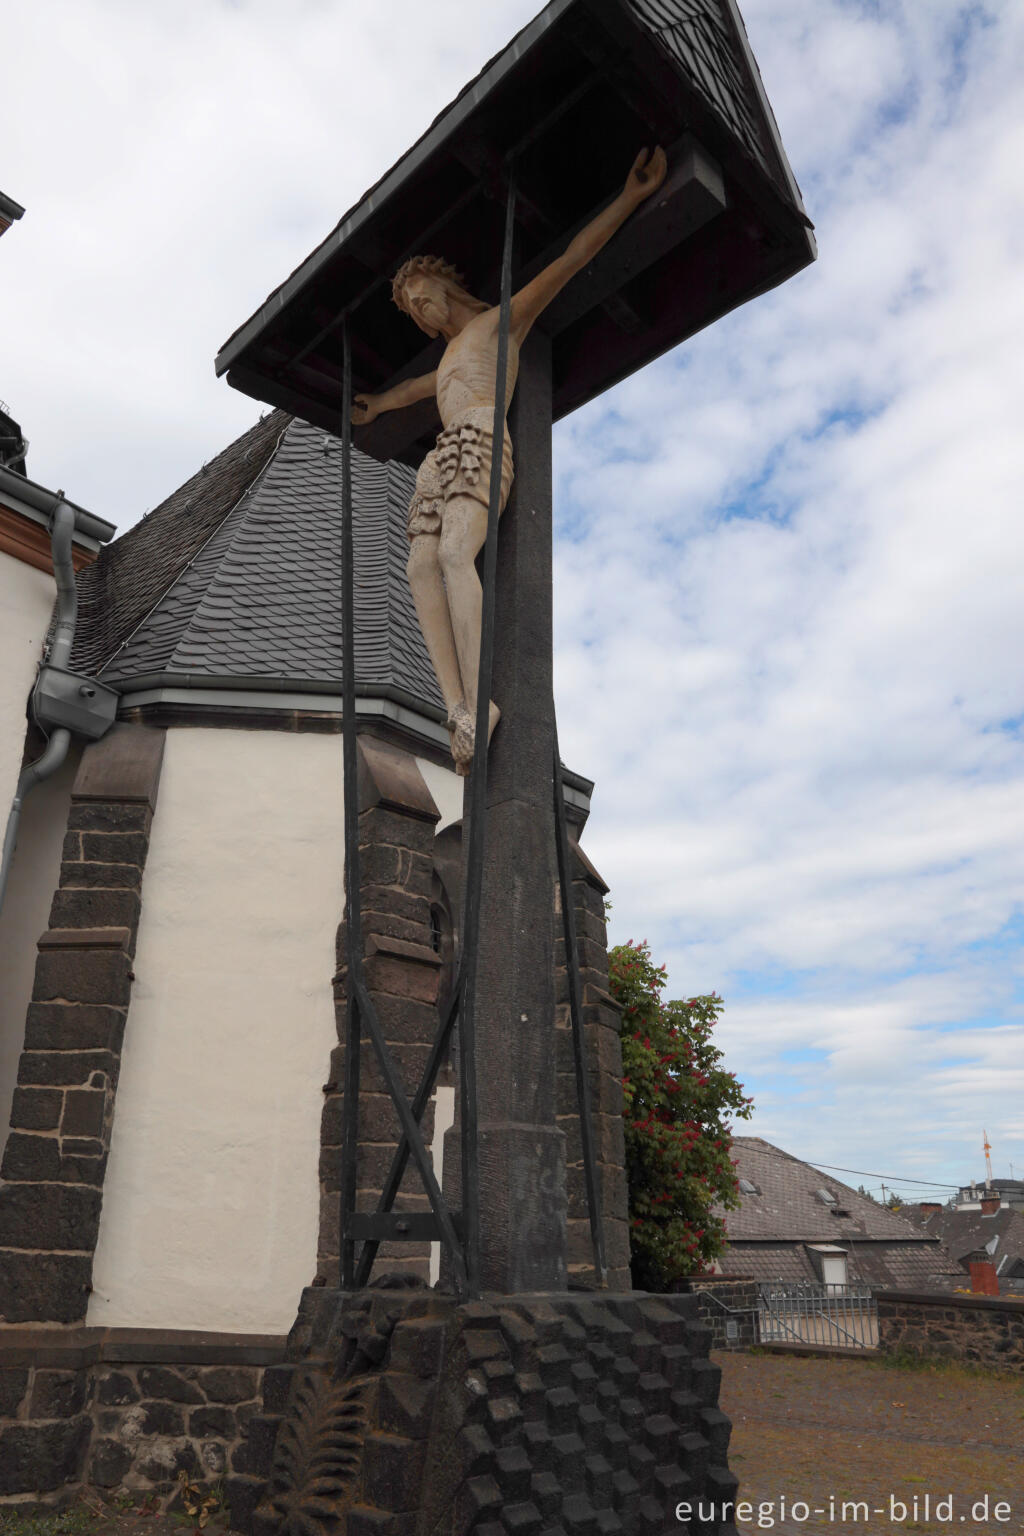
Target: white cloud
{"x": 788, "y": 603}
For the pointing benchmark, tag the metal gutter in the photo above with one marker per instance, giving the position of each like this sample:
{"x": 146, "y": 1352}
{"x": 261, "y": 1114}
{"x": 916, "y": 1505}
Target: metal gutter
{"x": 272, "y": 692}
{"x": 62, "y": 700}
{"x": 9, "y": 209}
{"x": 56, "y": 749}
{"x": 383, "y": 703}
{"x": 37, "y": 503}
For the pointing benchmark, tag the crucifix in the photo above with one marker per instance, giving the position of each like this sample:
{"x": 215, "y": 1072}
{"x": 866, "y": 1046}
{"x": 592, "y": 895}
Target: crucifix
{"x": 448, "y": 513}
{"x": 521, "y": 157}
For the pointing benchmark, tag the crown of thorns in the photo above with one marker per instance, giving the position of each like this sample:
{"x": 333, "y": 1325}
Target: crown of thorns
{"x": 428, "y": 266}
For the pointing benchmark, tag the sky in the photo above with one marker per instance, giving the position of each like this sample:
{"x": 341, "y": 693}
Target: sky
{"x": 788, "y": 612}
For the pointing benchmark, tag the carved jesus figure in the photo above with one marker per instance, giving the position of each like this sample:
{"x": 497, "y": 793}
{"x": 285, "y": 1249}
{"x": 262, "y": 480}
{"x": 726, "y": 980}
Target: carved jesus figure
{"x": 448, "y": 513}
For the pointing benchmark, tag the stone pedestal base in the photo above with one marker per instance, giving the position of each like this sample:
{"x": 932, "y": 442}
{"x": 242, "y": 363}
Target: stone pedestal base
{"x": 404, "y": 1413}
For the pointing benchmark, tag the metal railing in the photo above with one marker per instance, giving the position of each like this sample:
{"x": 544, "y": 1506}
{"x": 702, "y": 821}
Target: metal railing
{"x": 832, "y": 1316}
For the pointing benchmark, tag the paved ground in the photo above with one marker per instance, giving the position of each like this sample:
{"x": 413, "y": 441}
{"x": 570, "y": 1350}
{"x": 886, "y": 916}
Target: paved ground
{"x": 855, "y": 1432}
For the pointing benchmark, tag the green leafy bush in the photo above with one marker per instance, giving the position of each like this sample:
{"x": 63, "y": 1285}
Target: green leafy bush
{"x": 677, "y": 1098}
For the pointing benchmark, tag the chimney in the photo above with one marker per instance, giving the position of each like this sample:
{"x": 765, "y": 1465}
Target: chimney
{"x": 990, "y": 1205}
{"x": 930, "y": 1207}
{"x": 984, "y": 1280}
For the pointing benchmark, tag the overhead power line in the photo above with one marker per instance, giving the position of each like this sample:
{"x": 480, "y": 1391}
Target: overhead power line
{"x": 860, "y": 1172}
{"x": 894, "y": 1179}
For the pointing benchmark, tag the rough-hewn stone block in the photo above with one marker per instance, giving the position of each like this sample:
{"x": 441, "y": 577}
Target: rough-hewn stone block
{"x": 58, "y": 1394}
{"x": 28, "y": 1157}
{"x": 216, "y": 1421}
{"x": 405, "y": 1020}
{"x": 391, "y": 779}
{"x": 77, "y": 908}
{"x": 123, "y": 766}
{"x": 40, "y": 1458}
{"x": 67, "y": 1068}
{"x": 162, "y": 1418}
{"x": 87, "y": 1168}
{"x": 36, "y": 1109}
{"x": 83, "y": 976}
{"x": 410, "y": 1059}
{"x": 229, "y": 1384}
{"x": 116, "y": 1389}
{"x": 126, "y": 877}
{"x": 73, "y": 1027}
{"x": 114, "y": 847}
{"x": 109, "y": 816}
{"x": 387, "y": 897}
{"x": 84, "y": 1109}
{"x": 161, "y": 1381}
{"x": 13, "y": 1386}
{"x": 109, "y": 1463}
{"x": 44, "y": 1287}
{"x": 49, "y": 1216}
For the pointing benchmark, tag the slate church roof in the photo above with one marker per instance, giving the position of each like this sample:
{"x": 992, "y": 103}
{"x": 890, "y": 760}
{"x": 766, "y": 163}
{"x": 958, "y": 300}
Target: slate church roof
{"x": 791, "y": 1207}
{"x": 235, "y": 579}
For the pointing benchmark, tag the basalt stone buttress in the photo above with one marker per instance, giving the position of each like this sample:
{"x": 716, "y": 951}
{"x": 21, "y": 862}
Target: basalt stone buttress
{"x": 405, "y": 1411}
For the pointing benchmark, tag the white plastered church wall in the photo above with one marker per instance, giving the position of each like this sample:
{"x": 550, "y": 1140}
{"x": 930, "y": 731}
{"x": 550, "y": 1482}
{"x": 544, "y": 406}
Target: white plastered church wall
{"x": 210, "y": 1206}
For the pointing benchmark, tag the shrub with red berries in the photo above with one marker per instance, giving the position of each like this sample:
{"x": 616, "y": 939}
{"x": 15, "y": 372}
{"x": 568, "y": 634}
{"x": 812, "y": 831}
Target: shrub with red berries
{"x": 676, "y": 1100}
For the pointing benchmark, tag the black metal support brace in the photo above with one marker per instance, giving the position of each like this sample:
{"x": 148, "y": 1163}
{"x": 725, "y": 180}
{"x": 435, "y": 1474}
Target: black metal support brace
{"x": 579, "y": 1043}
{"x": 360, "y": 1012}
{"x": 473, "y": 881}
{"x": 461, "y": 1005}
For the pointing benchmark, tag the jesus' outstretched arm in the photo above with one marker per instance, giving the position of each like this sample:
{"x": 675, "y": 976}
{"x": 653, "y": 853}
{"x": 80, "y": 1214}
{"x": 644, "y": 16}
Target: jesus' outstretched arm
{"x": 367, "y": 408}
{"x": 645, "y": 177}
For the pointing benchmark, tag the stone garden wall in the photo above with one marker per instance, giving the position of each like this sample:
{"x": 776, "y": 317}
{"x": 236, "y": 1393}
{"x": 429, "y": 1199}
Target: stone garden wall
{"x": 725, "y": 1299}
{"x": 978, "y": 1330}
{"x": 125, "y": 1408}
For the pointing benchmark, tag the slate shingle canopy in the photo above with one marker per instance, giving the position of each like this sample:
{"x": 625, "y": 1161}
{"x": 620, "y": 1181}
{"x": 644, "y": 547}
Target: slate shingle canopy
{"x": 235, "y": 579}
{"x": 771, "y": 1232}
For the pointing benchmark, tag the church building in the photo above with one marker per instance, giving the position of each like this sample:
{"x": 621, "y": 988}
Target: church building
{"x": 174, "y": 964}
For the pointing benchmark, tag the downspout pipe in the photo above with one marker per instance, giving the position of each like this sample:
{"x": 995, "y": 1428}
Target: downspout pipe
{"x": 62, "y": 529}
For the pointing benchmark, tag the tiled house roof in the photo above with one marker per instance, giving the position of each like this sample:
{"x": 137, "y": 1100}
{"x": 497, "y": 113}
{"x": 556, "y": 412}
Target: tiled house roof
{"x": 965, "y": 1232}
{"x": 236, "y": 578}
{"x": 797, "y": 1208}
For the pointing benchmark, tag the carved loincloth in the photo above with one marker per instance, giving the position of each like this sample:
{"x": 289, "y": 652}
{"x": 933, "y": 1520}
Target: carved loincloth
{"x": 459, "y": 465}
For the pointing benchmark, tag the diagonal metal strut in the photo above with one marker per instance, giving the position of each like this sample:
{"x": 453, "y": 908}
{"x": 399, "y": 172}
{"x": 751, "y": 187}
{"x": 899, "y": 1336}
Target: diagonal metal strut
{"x": 360, "y": 1012}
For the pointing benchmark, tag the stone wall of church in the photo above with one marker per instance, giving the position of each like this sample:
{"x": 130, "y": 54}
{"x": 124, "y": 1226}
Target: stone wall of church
{"x": 126, "y": 1409}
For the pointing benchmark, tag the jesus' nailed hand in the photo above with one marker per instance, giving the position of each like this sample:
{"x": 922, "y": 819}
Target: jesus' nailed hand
{"x": 448, "y": 512}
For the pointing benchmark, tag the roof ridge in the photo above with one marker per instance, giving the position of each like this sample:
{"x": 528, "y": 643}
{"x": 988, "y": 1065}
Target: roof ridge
{"x": 123, "y": 586}
{"x": 214, "y": 532}
{"x": 229, "y": 533}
